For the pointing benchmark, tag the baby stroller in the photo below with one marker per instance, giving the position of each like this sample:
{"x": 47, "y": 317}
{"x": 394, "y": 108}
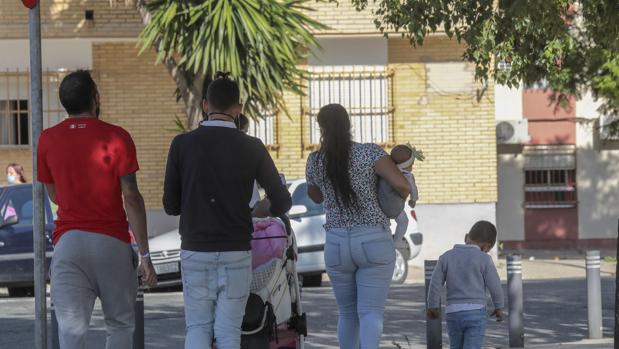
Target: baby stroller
{"x": 274, "y": 317}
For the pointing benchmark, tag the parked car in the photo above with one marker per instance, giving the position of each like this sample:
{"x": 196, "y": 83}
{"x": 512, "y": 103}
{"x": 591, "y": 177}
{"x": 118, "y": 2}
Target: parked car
{"x": 16, "y": 244}
{"x": 307, "y": 219}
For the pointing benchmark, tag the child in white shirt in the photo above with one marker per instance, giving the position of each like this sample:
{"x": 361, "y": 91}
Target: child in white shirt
{"x": 404, "y": 156}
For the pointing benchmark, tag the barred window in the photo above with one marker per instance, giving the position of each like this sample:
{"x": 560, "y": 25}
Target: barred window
{"x": 15, "y": 110}
{"x": 14, "y": 122}
{"x": 263, "y": 128}
{"x": 550, "y": 180}
{"x": 365, "y": 93}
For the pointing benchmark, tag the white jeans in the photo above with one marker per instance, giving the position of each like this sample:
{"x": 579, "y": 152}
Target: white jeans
{"x": 215, "y": 290}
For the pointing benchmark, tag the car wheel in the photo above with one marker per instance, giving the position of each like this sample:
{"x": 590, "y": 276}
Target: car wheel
{"x": 21, "y": 291}
{"x": 400, "y": 271}
{"x": 312, "y": 280}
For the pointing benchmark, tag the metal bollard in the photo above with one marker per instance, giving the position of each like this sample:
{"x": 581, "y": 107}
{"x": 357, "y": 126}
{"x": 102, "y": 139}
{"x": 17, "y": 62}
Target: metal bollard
{"x": 138, "y": 333}
{"x": 55, "y": 339}
{"x": 514, "y": 296}
{"x": 594, "y": 295}
{"x": 434, "y": 335}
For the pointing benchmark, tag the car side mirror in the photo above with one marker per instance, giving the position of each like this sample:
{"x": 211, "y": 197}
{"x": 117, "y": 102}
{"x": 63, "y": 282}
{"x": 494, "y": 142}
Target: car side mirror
{"x": 10, "y": 220}
{"x": 297, "y": 210}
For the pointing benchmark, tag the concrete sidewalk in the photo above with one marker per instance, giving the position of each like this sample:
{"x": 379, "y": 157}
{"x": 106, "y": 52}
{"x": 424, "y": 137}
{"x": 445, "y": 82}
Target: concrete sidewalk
{"x": 555, "y": 312}
{"x": 586, "y": 344}
{"x": 538, "y": 269}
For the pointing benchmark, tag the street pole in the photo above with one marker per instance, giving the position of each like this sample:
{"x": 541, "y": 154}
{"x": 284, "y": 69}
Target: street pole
{"x": 434, "y": 330}
{"x": 617, "y": 294}
{"x": 36, "y": 106}
{"x": 515, "y": 319}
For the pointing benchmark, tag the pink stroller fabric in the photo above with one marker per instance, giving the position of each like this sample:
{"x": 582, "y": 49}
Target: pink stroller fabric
{"x": 269, "y": 241}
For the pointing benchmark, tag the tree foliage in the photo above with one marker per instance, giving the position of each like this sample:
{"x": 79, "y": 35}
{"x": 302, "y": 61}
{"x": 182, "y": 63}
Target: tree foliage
{"x": 573, "y": 46}
{"x": 260, "y": 44}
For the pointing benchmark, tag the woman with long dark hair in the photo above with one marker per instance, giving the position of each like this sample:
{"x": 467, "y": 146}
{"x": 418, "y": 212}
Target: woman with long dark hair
{"x": 15, "y": 174}
{"x": 359, "y": 250}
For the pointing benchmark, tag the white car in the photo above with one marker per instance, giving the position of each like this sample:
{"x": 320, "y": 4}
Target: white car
{"x": 307, "y": 219}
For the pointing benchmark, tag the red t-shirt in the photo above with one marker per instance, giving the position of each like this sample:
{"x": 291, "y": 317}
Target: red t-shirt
{"x": 84, "y": 158}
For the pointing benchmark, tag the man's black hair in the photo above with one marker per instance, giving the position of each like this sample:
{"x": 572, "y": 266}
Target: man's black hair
{"x": 222, "y": 93}
{"x": 77, "y": 91}
{"x": 483, "y": 231}
{"x": 243, "y": 121}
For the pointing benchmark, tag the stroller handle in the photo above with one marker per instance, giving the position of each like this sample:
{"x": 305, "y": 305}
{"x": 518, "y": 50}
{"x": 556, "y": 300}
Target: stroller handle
{"x": 287, "y": 225}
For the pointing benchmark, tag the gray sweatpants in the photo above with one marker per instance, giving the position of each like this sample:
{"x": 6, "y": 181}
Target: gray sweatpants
{"x": 85, "y": 266}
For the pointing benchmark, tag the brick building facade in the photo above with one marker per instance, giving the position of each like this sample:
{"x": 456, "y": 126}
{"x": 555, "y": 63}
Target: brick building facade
{"x": 431, "y": 100}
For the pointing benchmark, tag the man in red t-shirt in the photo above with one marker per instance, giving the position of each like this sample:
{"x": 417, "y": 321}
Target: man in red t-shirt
{"x": 88, "y": 167}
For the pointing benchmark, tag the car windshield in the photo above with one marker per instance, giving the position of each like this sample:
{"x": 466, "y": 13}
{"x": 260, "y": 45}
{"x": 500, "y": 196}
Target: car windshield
{"x": 299, "y": 197}
{"x": 18, "y": 203}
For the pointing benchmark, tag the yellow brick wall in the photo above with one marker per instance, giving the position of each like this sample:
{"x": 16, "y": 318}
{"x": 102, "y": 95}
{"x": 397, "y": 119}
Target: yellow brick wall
{"x": 343, "y": 18}
{"x": 139, "y": 96}
{"x": 65, "y": 18}
{"x": 436, "y": 48}
{"x": 21, "y": 156}
{"x": 289, "y": 157}
{"x": 455, "y": 130}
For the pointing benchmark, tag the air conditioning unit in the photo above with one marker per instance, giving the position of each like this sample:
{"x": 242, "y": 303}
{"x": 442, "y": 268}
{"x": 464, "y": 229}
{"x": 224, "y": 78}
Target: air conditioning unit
{"x": 512, "y": 131}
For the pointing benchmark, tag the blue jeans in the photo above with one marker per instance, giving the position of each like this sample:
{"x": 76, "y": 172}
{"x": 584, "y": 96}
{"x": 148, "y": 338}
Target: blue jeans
{"x": 360, "y": 264}
{"x": 467, "y": 329}
{"x": 215, "y": 290}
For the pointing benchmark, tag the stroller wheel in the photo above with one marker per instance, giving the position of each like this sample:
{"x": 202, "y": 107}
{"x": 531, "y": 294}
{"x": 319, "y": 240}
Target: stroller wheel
{"x": 299, "y": 324}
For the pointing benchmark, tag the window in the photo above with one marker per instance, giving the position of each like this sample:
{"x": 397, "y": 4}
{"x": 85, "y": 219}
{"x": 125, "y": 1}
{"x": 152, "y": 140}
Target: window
{"x": 550, "y": 188}
{"x": 550, "y": 180}
{"x": 363, "y": 91}
{"x": 263, "y": 128}
{"x": 19, "y": 203}
{"x": 15, "y": 106}
{"x": 14, "y": 122}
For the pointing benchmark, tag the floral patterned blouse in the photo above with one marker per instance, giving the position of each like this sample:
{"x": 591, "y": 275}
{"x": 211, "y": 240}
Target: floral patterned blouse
{"x": 363, "y": 181}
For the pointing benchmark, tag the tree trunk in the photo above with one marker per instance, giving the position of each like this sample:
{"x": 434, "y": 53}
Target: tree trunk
{"x": 189, "y": 92}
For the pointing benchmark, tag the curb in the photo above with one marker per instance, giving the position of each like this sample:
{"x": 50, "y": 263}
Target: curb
{"x": 585, "y": 344}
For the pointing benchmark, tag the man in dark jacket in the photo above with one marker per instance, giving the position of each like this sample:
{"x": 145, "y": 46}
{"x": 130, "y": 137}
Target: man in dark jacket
{"x": 209, "y": 179}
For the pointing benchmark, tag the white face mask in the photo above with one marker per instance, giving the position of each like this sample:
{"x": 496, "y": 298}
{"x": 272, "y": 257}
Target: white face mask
{"x": 11, "y": 179}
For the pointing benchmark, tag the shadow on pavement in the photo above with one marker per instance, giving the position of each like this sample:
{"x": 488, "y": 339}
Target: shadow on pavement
{"x": 555, "y": 311}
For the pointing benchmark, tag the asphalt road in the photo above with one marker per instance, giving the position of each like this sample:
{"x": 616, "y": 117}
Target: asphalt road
{"x": 555, "y": 311}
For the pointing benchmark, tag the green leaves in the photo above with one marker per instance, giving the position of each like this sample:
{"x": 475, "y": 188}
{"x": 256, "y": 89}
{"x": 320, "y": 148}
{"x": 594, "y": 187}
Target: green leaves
{"x": 573, "y": 45}
{"x": 259, "y": 42}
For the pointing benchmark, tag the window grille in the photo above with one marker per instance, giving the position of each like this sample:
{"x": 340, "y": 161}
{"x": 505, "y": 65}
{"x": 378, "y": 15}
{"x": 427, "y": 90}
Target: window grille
{"x": 363, "y": 91}
{"x": 550, "y": 179}
{"x": 263, "y": 128}
{"x": 15, "y": 111}
{"x": 14, "y": 122}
